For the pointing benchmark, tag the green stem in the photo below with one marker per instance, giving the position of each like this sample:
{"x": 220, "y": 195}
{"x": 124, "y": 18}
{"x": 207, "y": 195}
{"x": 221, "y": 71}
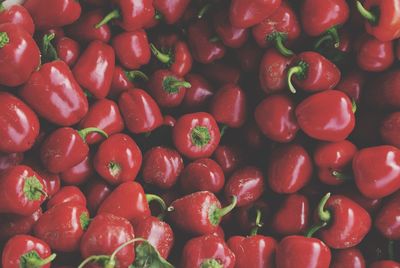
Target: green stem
{"x": 259, "y": 223}
{"x": 323, "y": 39}
{"x": 177, "y": 84}
{"x": 391, "y": 250}
{"x": 132, "y": 75}
{"x": 112, "y": 257}
{"x": 315, "y": 229}
{"x": 115, "y": 14}
{"x": 324, "y": 215}
{"x": 224, "y": 128}
{"x": 292, "y": 71}
{"x": 160, "y": 201}
{"x": 94, "y": 258}
{"x": 164, "y": 58}
{"x": 331, "y": 34}
{"x": 278, "y": 38}
{"x": 40, "y": 262}
{"x": 203, "y": 10}
{"x": 366, "y": 14}
{"x": 353, "y": 106}
{"x": 224, "y": 211}
{"x": 340, "y": 176}
{"x": 86, "y": 131}
{"x": 49, "y": 52}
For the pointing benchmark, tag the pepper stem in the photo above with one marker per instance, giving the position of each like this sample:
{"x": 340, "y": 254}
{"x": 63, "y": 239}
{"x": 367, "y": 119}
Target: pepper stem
{"x": 49, "y": 52}
{"x": 33, "y": 189}
{"x": 324, "y": 215}
{"x": 203, "y": 10}
{"x": 331, "y": 34}
{"x": 115, "y": 14}
{"x": 200, "y": 136}
{"x": 160, "y": 201}
{"x": 224, "y": 211}
{"x": 112, "y": 257}
{"x": 366, "y": 14}
{"x": 278, "y": 38}
{"x": 259, "y": 223}
{"x": 32, "y": 259}
{"x": 353, "y": 106}
{"x": 86, "y": 131}
{"x": 315, "y": 229}
{"x": 94, "y": 258}
{"x": 114, "y": 169}
{"x": 164, "y": 58}
{"x": 224, "y": 128}
{"x": 292, "y": 71}
{"x": 391, "y": 250}
{"x": 132, "y": 75}
{"x": 214, "y": 39}
{"x": 340, "y": 176}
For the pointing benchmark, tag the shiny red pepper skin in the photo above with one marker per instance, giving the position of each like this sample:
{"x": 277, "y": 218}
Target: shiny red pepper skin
{"x": 387, "y": 220}
{"x": 128, "y": 200}
{"x": 198, "y": 213}
{"x": 300, "y": 251}
{"x": 377, "y": 171}
{"x": 26, "y": 251}
{"x": 314, "y": 72}
{"x": 230, "y": 35}
{"x": 62, "y": 227}
{"x": 171, "y": 11}
{"x": 348, "y": 225}
{"x": 53, "y": 13}
{"x": 12, "y": 224}
{"x": 244, "y": 13}
{"x": 289, "y": 169}
{"x": 10, "y": 160}
{"x": 53, "y": 93}
{"x": 273, "y": 71}
{"x": 247, "y": 184}
{"x": 350, "y": 257}
{"x": 132, "y": 49}
{"x": 228, "y": 157}
{"x": 105, "y": 115}
{"x": 254, "y": 251}
{"x": 105, "y": 233}
{"x": 118, "y": 159}
{"x": 228, "y": 106}
{"x": 22, "y": 191}
{"x": 51, "y": 180}
{"x": 374, "y": 55}
{"x": 196, "y": 135}
{"x": 334, "y": 157}
{"x": 275, "y": 118}
{"x": 202, "y": 175}
{"x": 79, "y": 173}
{"x": 122, "y": 81}
{"x": 318, "y": 17}
{"x": 326, "y": 116}
{"x": 167, "y": 89}
{"x": 17, "y": 15}
{"x": 282, "y": 24}
{"x": 68, "y": 50}
{"x": 199, "y": 94}
{"x": 387, "y": 26}
{"x": 389, "y": 129}
{"x": 293, "y": 215}
{"x": 67, "y": 194}
{"x": 95, "y": 68}
{"x": 161, "y": 167}
{"x": 96, "y": 191}
{"x": 158, "y": 233}
{"x": 203, "y": 50}
{"x": 140, "y": 111}
{"x": 83, "y": 31}
{"x": 63, "y": 149}
{"x": 352, "y": 84}
{"x": 385, "y": 264}
{"x": 19, "y": 125}
{"x": 206, "y": 251}
{"x": 19, "y": 53}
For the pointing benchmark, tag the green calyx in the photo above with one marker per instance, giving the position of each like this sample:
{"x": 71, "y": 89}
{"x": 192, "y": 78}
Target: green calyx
{"x": 372, "y": 16}
{"x": 84, "y": 220}
{"x": 152, "y": 197}
{"x": 32, "y": 259}
{"x": 114, "y": 169}
{"x": 211, "y": 263}
{"x": 215, "y": 213}
{"x": 279, "y": 38}
{"x": 4, "y": 40}
{"x": 166, "y": 58}
{"x": 330, "y": 35}
{"x": 172, "y": 84}
{"x": 33, "y": 189}
{"x": 2, "y": 8}
{"x": 115, "y": 14}
{"x": 299, "y": 71}
{"x": 49, "y": 52}
{"x": 136, "y": 74}
{"x": 86, "y": 131}
{"x": 200, "y": 136}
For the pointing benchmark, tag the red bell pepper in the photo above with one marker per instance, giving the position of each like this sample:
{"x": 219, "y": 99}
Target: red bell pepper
{"x": 18, "y": 15}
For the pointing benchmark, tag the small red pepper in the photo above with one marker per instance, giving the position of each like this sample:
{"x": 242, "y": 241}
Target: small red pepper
{"x": 65, "y": 148}
{"x": 67, "y": 194}
{"x": 78, "y": 174}
{"x": 202, "y": 175}
{"x": 377, "y": 171}
{"x": 53, "y": 13}
{"x": 349, "y": 257}
{"x": 199, "y": 94}
{"x": 26, "y": 251}
{"x": 96, "y": 191}
{"x": 387, "y": 220}
{"x": 162, "y": 167}
{"x": 124, "y": 80}
{"x": 228, "y": 157}
{"x": 289, "y": 169}
{"x": 207, "y": 251}
{"x": 140, "y": 111}
{"x": 62, "y": 227}
{"x": 382, "y": 18}
{"x": 171, "y": 11}
{"x": 68, "y": 50}
{"x": 17, "y": 15}
{"x": 22, "y": 191}
{"x": 12, "y": 224}
{"x": 312, "y": 72}
{"x": 118, "y": 159}
{"x": 352, "y": 84}
{"x": 276, "y": 119}
{"x": 95, "y": 68}
{"x": 230, "y": 35}
{"x": 132, "y": 49}
{"x": 196, "y": 135}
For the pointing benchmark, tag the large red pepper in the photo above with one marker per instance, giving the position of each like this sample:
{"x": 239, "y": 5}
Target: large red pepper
{"x": 22, "y": 191}
{"x": 18, "y": 15}
{"x": 19, "y": 125}
{"x": 26, "y": 251}
{"x": 53, "y": 13}
{"x": 19, "y": 53}
{"x": 199, "y": 213}
{"x": 54, "y": 94}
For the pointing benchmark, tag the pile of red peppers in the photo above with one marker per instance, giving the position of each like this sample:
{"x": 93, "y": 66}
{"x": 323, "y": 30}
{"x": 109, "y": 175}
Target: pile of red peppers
{"x": 200, "y": 134}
